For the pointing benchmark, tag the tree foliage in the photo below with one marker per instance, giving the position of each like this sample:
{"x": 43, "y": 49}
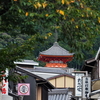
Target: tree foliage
{"x": 77, "y": 23}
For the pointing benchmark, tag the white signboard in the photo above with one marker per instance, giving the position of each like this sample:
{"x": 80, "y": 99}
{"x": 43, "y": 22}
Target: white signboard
{"x": 78, "y": 84}
{"x": 86, "y": 86}
{"x": 5, "y": 85}
{"x": 23, "y": 89}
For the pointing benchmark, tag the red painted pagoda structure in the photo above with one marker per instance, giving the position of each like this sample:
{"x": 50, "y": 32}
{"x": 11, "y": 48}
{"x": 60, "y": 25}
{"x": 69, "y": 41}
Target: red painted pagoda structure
{"x": 55, "y": 56}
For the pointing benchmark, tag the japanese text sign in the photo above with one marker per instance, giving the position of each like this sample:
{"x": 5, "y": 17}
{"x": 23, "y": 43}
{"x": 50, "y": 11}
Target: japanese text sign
{"x": 86, "y": 86}
{"x": 78, "y": 84}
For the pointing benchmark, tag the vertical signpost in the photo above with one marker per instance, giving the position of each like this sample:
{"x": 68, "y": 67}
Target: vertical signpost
{"x": 86, "y": 86}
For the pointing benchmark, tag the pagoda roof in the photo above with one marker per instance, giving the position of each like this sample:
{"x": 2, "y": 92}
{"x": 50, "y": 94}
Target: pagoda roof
{"x": 56, "y": 50}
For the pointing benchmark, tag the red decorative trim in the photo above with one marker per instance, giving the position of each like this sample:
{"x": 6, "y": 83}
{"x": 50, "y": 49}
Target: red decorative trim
{"x": 55, "y": 55}
{"x": 57, "y": 65}
{"x": 55, "y": 58}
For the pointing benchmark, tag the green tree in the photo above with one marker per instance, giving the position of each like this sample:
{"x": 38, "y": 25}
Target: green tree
{"x": 76, "y": 21}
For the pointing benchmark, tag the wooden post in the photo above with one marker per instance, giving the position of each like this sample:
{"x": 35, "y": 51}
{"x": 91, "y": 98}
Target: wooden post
{"x": 99, "y": 67}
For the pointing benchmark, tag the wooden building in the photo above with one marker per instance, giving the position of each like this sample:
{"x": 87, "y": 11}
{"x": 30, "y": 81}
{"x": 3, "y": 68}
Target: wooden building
{"x": 62, "y": 77}
{"x": 93, "y": 67}
{"x": 58, "y": 77}
{"x": 38, "y": 86}
{"x": 62, "y": 81}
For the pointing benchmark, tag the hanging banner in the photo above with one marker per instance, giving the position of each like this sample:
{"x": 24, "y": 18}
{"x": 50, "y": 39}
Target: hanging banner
{"x": 86, "y": 86}
{"x": 5, "y": 85}
{"x": 23, "y": 89}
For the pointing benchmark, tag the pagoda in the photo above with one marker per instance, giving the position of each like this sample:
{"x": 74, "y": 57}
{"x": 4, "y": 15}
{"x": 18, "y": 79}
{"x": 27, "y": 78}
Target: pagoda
{"x": 56, "y": 56}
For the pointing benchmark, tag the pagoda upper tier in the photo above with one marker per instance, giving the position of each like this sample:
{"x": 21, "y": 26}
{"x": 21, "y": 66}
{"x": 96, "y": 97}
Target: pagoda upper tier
{"x": 55, "y": 54}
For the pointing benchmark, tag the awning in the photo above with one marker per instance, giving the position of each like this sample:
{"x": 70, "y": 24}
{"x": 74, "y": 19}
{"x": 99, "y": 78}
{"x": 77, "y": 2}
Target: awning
{"x": 95, "y": 94}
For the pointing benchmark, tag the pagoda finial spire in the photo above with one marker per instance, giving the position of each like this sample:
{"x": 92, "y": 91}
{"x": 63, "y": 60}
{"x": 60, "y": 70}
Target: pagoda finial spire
{"x": 56, "y": 35}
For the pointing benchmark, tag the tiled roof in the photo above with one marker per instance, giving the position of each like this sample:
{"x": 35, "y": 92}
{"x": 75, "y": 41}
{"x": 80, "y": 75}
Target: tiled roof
{"x": 89, "y": 65}
{"x": 58, "y": 91}
{"x": 45, "y": 75}
{"x": 40, "y": 79}
{"x": 49, "y": 73}
{"x": 56, "y": 50}
{"x": 59, "y": 94}
{"x": 26, "y": 62}
{"x": 24, "y": 70}
{"x": 49, "y": 70}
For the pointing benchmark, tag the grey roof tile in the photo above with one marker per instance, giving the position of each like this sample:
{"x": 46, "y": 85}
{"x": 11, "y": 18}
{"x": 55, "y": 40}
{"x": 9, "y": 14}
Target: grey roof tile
{"x": 49, "y": 70}
{"x": 45, "y": 75}
{"x": 48, "y": 73}
{"x": 59, "y": 94}
{"x": 59, "y": 91}
{"x": 26, "y": 62}
{"x": 56, "y": 50}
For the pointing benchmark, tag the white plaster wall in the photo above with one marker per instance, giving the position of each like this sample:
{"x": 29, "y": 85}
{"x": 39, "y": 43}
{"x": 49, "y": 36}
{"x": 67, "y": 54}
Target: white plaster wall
{"x": 99, "y": 98}
{"x": 6, "y": 97}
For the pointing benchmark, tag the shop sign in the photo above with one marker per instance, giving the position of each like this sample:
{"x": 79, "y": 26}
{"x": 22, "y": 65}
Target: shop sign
{"x": 78, "y": 84}
{"x": 23, "y": 89}
{"x": 86, "y": 86}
